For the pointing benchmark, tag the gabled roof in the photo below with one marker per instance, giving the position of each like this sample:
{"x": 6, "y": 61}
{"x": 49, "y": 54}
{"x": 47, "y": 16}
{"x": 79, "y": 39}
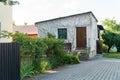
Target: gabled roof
{"x": 26, "y": 29}
{"x": 68, "y": 16}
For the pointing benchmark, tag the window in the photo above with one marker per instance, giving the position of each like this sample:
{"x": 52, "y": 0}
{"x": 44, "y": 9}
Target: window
{"x": 62, "y": 33}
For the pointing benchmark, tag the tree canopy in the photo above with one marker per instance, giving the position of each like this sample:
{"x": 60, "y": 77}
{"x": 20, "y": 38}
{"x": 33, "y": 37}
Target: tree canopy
{"x": 108, "y": 38}
{"x": 111, "y": 25}
{"x": 111, "y": 36}
{"x": 9, "y": 2}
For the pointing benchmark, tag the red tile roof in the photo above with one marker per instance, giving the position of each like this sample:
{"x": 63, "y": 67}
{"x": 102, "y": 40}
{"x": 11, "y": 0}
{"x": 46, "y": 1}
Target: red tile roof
{"x": 26, "y": 29}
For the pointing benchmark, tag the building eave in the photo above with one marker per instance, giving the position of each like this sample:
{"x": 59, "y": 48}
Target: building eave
{"x": 100, "y": 27}
{"x": 67, "y": 17}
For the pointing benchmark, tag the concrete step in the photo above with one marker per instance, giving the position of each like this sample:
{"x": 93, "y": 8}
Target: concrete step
{"x": 83, "y": 54}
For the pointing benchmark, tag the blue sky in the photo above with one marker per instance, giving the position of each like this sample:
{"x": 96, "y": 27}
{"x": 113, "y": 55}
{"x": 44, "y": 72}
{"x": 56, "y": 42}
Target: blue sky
{"x": 32, "y": 11}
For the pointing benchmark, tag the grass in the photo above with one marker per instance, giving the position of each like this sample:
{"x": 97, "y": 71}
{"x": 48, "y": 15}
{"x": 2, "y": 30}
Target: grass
{"x": 112, "y": 55}
{"x": 26, "y": 71}
{"x": 26, "y": 67}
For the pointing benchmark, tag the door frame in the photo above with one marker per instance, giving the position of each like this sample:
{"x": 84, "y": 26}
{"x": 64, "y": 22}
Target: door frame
{"x": 77, "y": 37}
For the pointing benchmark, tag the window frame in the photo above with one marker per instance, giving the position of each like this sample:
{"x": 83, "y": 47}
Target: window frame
{"x": 62, "y": 32}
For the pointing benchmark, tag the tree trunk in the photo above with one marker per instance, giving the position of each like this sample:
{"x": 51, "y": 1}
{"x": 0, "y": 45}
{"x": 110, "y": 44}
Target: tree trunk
{"x": 109, "y": 49}
{"x": 118, "y": 49}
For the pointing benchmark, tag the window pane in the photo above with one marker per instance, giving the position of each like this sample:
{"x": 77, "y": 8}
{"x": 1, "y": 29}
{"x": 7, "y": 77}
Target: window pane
{"x": 62, "y": 33}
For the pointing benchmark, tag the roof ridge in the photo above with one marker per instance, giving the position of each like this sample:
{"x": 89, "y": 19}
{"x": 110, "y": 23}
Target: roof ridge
{"x": 66, "y": 17}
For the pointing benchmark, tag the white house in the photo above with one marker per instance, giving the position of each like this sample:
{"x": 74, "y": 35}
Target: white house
{"x": 5, "y": 20}
{"x": 80, "y": 30}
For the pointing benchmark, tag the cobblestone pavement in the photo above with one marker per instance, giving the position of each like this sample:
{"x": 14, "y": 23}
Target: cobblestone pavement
{"x": 96, "y": 69}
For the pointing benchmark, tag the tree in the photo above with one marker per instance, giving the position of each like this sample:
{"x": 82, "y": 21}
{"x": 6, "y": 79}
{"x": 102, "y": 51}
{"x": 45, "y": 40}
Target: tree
{"x": 9, "y": 2}
{"x": 111, "y": 25}
{"x": 108, "y": 39}
{"x": 117, "y": 41}
{"x": 112, "y": 34}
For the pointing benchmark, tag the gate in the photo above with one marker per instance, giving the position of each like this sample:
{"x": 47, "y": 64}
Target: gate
{"x": 9, "y": 61}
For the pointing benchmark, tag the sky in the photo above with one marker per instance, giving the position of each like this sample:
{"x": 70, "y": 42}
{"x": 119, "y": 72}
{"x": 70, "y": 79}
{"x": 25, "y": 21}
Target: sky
{"x": 31, "y": 11}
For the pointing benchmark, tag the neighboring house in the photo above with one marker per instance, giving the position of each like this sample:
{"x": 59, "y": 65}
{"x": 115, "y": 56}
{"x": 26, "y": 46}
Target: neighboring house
{"x": 99, "y": 42}
{"x": 30, "y": 30}
{"x": 99, "y": 27}
{"x": 5, "y": 21}
{"x": 80, "y": 30}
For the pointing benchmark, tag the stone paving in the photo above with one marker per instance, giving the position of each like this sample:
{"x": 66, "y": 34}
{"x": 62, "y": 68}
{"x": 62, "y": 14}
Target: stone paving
{"x": 96, "y": 69}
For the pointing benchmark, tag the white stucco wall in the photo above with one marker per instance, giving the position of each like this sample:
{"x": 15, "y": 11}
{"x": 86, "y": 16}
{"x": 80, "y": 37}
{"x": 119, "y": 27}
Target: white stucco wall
{"x": 5, "y": 20}
{"x": 93, "y": 38}
{"x": 83, "y": 20}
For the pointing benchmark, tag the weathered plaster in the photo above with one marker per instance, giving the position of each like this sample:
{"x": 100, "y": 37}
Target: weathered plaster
{"x": 83, "y": 20}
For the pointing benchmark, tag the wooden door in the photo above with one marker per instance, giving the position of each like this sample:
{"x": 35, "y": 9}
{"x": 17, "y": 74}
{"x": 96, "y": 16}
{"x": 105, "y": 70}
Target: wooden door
{"x": 81, "y": 37}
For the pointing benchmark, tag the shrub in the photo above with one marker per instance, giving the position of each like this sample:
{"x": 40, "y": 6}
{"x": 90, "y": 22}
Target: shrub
{"x": 54, "y": 46}
{"x": 45, "y": 65}
{"x": 31, "y": 47}
{"x": 105, "y": 48}
{"x": 54, "y": 62}
{"x": 24, "y": 42}
{"x": 50, "y": 35}
{"x": 71, "y": 59}
{"x": 38, "y": 48}
{"x": 57, "y": 55}
{"x": 26, "y": 70}
{"x": 45, "y": 54}
{"x": 54, "y": 52}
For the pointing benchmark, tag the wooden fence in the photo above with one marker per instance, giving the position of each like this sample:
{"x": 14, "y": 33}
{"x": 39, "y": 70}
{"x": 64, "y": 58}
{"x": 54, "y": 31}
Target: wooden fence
{"x": 9, "y": 61}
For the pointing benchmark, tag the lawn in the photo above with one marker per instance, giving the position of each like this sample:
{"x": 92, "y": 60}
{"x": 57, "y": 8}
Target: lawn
{"x": 112, "y": 55}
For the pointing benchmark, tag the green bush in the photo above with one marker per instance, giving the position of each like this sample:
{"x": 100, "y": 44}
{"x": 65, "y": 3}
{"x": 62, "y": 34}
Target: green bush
{"x": 105, "y": 48}
{"x": 54, "y": 46}
{"x": 45, "y": 65}
{"x": 45, "y": 54}
{"x": 38, "y": 48}
{"x": 24, "y": 42}
{"x": 50, "y": 35}
{"x": 31, "y": 47}
{"x": 71, "y": 59}
{"x": 53, "y": 62}
{"x": 54, "y": 51}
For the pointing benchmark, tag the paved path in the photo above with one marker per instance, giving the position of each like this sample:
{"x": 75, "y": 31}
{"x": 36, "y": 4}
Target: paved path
{"x": 96, "y": 69}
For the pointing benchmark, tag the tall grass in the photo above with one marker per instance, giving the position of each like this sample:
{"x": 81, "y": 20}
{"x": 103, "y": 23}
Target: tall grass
{"x": 26, "y": 67}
